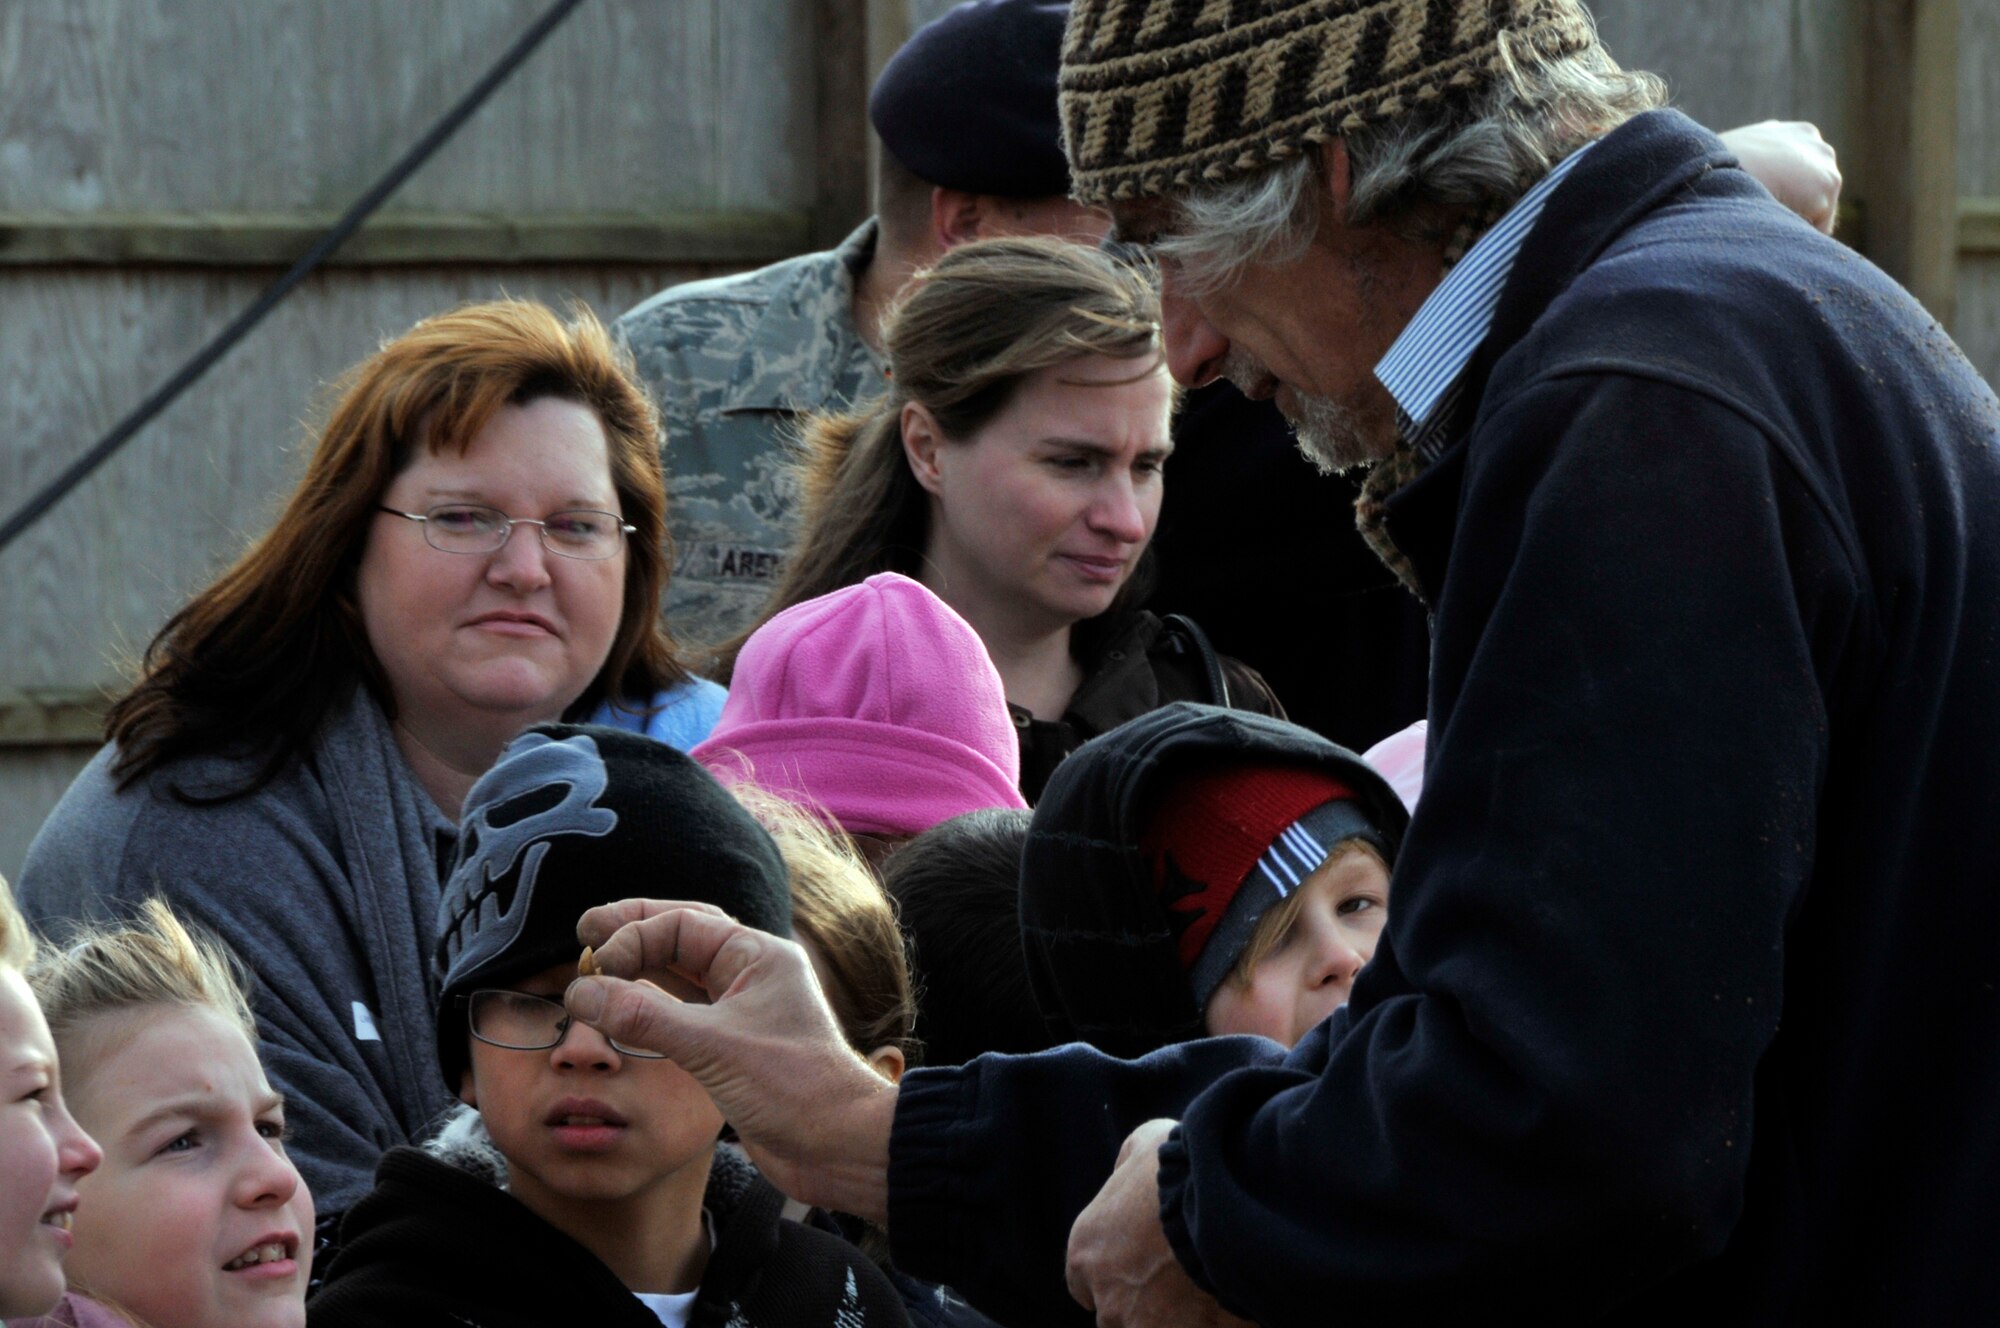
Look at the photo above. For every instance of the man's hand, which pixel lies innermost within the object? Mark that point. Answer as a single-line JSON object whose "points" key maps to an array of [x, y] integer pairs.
{"points": [[1120, 1265], [1790, 159], [810, 1112]]}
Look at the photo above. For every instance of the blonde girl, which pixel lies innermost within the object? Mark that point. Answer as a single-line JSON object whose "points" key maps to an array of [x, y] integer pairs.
{"points": [[197, 1218]]}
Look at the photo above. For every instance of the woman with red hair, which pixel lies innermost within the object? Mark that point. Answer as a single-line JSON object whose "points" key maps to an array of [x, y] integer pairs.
{"points": [[477, 545]]}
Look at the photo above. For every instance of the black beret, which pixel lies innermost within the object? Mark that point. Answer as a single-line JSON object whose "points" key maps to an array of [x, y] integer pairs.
{"points": [[571, 817], [969, 102]]}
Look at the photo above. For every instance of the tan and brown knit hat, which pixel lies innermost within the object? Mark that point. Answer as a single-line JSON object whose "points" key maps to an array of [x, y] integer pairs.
{"points": [[1161, 95]]}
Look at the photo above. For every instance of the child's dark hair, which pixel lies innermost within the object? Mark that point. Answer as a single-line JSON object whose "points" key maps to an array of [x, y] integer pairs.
{"points": [[957, 889]]}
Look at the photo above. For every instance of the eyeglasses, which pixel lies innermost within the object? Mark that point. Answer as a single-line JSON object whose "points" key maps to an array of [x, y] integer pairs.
{"points": [[582, 532], [520, 1022]]}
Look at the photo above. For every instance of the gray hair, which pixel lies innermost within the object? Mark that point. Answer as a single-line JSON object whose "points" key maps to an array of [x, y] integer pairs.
{"points": [[1476, 157]]}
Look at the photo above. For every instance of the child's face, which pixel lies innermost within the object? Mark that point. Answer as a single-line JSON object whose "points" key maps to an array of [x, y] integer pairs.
{"points": [[582, 1121], [43, 1153], [197, 1219], [1310, 971]]}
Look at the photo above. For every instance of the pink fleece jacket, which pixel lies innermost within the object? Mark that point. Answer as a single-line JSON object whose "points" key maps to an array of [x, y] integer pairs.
{"points": [[876, 705]]}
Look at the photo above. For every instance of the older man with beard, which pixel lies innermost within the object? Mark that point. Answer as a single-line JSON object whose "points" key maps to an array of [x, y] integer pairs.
{"points": [[1686, 1008]]}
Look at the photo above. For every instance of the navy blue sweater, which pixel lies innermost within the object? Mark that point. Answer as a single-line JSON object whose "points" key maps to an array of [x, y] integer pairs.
{"points": [[1687, 1006]]}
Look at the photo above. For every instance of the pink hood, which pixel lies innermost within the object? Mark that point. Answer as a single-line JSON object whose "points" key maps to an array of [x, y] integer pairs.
{"points": [[875, 704]]}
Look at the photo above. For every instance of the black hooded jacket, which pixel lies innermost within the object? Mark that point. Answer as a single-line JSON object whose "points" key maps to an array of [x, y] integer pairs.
{"points": [[439, 1242], [1101, 946]]}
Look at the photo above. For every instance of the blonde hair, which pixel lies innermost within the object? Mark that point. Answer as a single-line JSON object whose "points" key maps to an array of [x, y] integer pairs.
{"points": [[17, 943], [843, 911], [155, 960], [1278, 920]]}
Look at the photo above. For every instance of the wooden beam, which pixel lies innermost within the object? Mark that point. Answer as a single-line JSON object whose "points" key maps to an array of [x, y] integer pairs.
{"points": [[1910, 156], [1979, 226], [52, 716], [249, 239], [888, 29], [840, 192]]}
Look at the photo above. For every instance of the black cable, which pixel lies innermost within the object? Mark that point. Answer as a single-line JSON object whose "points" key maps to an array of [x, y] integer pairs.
{"points": [[54, 492]]}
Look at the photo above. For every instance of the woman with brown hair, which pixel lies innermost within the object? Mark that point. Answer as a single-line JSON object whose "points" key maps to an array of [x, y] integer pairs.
{"points": [[1015, 468], [477, 545]]}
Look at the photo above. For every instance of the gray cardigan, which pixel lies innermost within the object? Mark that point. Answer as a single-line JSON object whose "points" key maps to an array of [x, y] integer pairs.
{"points": [[326, 883]]}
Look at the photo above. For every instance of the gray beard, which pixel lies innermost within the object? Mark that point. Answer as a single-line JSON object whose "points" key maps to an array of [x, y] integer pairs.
{"points": [[1330, 435]]}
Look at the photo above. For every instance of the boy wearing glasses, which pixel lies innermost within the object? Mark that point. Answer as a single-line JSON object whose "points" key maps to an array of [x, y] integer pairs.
{"points": [[582, 1183]]}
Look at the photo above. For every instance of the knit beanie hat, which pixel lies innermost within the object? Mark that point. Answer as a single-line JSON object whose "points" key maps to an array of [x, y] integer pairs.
{"points": [[1225, 844], [969, 102], [875, 705], [1158, 96], [572, 817]]}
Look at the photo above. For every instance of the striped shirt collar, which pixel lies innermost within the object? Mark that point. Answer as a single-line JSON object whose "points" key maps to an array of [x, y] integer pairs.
{"points": [[1425, 368]]}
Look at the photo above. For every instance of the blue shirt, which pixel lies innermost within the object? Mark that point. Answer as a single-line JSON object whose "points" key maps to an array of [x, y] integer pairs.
{"points": [[680, 716], [1425, 366]]}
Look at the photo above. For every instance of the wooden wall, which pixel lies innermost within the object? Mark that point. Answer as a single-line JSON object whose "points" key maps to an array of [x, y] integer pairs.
{"points": [[134, 112], [1977, 321], [122, 111]]}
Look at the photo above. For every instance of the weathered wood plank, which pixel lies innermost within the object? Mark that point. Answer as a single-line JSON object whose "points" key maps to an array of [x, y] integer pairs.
{"points": [[1977, 324], [279, 105], [1911, 146], [1977, 329], [919, 12], [1979, 226], [52, 716], [1827, 59], [1728, 62], [234, 239], [1979, 100], [31, 780], [841, 195], [761, 113]]}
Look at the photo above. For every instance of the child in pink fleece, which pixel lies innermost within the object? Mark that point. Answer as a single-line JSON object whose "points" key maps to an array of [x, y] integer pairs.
{"points": [[876, 706]]}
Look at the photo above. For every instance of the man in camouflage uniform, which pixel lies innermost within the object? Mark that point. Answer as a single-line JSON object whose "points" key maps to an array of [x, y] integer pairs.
{"points": [[967, 115], [733, 363]]}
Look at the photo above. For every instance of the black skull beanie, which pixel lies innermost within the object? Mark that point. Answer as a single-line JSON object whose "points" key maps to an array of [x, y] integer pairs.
{"points": [[572, 817]]}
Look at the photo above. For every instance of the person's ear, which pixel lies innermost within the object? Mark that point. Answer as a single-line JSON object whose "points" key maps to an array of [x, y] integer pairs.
{"points": [[887, 1061], [922, 441], [956, 217]]}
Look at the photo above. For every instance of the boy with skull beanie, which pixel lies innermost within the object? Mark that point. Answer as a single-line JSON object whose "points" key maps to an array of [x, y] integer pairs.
{"points": [[572, 817]]}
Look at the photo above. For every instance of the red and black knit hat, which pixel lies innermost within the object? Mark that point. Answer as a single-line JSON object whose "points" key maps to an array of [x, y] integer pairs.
{"points": [[1226, 844]]}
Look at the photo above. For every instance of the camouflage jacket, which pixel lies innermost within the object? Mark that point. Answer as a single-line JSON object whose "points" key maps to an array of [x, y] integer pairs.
{"points": [[735, 363]]}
